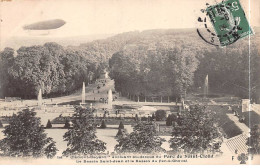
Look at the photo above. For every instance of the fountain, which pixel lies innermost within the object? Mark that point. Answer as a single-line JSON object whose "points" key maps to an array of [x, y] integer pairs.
{"points": [[206, 86], [106, 75], [40, 98], [110, 99], [83, 94]]}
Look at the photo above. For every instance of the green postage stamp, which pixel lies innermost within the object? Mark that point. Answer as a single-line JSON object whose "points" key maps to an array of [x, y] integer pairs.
{"points": [[229, 21]]}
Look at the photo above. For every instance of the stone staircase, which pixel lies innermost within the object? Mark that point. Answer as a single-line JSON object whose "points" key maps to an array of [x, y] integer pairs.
{"points": [[237, 143]]}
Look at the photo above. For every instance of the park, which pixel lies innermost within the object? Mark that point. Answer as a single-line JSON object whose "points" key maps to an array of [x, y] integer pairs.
{"points": [[115, 110], [134, 93]]}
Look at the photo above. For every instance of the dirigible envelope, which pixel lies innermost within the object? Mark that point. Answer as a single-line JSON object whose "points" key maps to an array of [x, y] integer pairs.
{"points": [[45, 25]]}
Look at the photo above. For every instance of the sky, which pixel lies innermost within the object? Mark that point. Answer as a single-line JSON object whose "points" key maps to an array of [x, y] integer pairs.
{"points": [[89, 17]]}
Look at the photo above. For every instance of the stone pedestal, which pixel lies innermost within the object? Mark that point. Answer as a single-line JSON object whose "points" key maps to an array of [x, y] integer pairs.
{"points": [[245, 105]]}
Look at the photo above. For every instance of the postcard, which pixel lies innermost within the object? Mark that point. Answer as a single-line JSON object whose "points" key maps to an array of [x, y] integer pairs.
{"points": [[129, 82]]}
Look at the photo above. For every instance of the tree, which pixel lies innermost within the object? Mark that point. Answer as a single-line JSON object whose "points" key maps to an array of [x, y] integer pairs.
{"points": [[196, 132], [1, 125], [49, 125], [6, 60], [254, 141], [82, 139], [142, 140], [50, 67], [170, 119], [25, 137], [121, 125], [160, 115], [67, 124], [50, 151], [121, 133], [136, 117], [153, 66], [103, 124]]}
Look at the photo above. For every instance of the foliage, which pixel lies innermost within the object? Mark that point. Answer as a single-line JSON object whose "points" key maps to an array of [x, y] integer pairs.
{"points": [[25, 137], [50, 151], [82, 139], [51, 67], [136, 117], [49, 125], [6, 60], [1, 124], [144, 64], [170, 119], [103, 124], [67, 124], [142, 140], [160, 115], [196, 132], [121, 125], [228, 126], [230, 69], [254, 141], [121, 133], [144, 118], [145, 69]]}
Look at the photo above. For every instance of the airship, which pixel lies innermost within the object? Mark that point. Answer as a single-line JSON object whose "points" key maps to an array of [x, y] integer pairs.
{"points": [[44, 27]]}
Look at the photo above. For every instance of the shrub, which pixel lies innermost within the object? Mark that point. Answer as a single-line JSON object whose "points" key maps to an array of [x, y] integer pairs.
{"points": [[121, 125], [160, 115], [1, 125], [103, 124], [48, 125], [67, 124], [170, 119], [119, 133], [144, 118], [136, 117]]}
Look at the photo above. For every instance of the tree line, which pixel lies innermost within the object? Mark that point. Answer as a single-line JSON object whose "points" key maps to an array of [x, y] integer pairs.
{"points": [[168, 63], [150, 63], [57, 70], [51, 67]]}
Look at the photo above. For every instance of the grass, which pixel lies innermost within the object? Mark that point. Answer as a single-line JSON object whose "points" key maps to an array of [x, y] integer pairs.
{"points": [[228, 126], [230, 129], [251, 118]]}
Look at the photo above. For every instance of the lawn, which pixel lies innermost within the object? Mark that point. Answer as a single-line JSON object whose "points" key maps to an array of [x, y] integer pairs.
{"points": [[228, 126], [251, 118], [107, 135]]}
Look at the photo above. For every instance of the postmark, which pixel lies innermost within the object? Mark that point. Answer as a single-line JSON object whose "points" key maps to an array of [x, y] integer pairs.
{"points": [[228, 21]]}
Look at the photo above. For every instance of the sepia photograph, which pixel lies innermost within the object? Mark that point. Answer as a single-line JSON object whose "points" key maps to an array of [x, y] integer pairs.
{"points": [[129, 82]]}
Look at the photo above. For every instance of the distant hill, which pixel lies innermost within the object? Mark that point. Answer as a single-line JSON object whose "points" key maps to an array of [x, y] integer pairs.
{"points": [[188, 35], [17, 42], [165, 54]]}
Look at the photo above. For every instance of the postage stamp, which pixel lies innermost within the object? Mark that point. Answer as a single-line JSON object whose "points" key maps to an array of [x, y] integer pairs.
{"points": [[229, 21]]}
